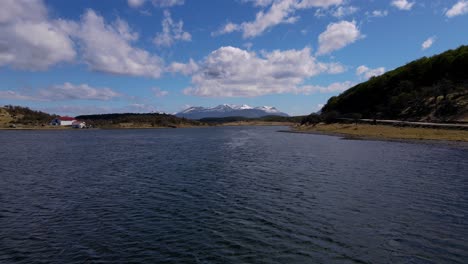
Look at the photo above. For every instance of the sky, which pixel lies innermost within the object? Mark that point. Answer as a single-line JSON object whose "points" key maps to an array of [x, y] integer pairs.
{"points": [[89, 56]]}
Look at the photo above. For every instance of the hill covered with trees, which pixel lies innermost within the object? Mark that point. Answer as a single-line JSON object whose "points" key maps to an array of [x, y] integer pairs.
{"points": [[10, 114], [136, 120], [427, 89]]}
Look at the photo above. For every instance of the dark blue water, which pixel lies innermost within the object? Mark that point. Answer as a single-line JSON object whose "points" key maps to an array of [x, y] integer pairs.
{"points": [[228, 195]]}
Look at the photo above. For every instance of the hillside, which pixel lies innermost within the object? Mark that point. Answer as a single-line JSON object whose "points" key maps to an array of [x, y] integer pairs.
{"points": [[10, 114], [428, 89], [132, 120]]}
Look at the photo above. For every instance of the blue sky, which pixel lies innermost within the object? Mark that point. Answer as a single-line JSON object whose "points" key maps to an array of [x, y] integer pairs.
{"points": [[86, 56]]}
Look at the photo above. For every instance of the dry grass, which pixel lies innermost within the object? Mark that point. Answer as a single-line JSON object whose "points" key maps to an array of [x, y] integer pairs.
{"points": [[5, 117], [388, 132]]}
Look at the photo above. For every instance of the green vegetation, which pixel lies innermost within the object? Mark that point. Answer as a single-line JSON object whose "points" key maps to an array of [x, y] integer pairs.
{"points": [[10, 114], [428, 89], [130, 120]]}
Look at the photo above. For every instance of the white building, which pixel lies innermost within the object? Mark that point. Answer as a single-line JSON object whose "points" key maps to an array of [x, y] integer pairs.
{"points": [[63, 121], [79, 124]]}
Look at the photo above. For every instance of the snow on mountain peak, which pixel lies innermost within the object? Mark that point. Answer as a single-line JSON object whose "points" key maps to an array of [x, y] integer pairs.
{"points": [[268, 109], [224, 110]]}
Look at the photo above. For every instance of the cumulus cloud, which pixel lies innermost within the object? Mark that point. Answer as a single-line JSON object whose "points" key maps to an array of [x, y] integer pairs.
{"points": [[402, 4], [233, 72], [184, 68], [172, 31], [368, 73], [30, 40], [66, 91], [428, 43], [337, 36], [460, 8], [278, 12], [107, 48], [158, 92]]}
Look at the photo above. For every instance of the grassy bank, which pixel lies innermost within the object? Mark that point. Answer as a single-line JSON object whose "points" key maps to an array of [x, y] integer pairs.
{"points": [[386, 132]]}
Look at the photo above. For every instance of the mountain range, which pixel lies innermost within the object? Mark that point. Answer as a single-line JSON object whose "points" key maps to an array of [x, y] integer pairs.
{"points": [[228, 110]]}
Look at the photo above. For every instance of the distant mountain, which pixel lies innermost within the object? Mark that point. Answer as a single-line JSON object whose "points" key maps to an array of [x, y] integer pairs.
{"points": [[227, 110], [428, 89]]}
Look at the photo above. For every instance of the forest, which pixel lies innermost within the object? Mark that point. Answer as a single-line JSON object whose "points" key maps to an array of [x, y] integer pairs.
{"points": [[428, 89]]}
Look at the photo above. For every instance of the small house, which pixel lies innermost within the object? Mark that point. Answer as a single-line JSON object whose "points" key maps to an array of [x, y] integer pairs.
{"points": [[79, 124], [63, 121]]}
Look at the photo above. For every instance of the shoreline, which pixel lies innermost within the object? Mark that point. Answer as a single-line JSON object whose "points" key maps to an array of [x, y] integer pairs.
{"points": [[386, 133], [58, 128]]}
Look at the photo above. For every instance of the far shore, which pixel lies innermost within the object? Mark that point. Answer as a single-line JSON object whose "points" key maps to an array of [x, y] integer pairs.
{"points": [[347, 131], [129, 126], [384, 132], [256, 123]]}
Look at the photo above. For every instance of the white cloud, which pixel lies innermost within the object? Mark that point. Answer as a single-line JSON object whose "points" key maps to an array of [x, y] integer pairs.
{"points": [[184, 68], [228, 28], [66, 91], [343, 11], [172, 31], [337, 36], [279, 12], [460, 8], [13, 95], [261, 3], [402, 4], [379, 13], [156, 3], [248, 45], [75, 110], [317, 3], [158, 92], [233, 72], [428, 43], [30, 40], [167, 3], [135, 3], [107, 48], [368, 73]]}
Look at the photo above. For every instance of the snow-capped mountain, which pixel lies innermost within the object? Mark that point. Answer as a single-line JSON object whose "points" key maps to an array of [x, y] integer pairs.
{"points": [[226, 110]]}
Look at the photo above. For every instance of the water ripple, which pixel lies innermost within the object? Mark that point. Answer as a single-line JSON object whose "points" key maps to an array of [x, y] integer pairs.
{"points": [[228, 195]]}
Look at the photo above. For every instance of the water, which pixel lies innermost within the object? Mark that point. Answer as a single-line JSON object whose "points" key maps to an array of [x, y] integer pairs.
{"points": [[228, 195]]}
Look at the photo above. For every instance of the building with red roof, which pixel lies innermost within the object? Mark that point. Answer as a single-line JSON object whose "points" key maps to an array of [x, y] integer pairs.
{"points": [[63, 121]]}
